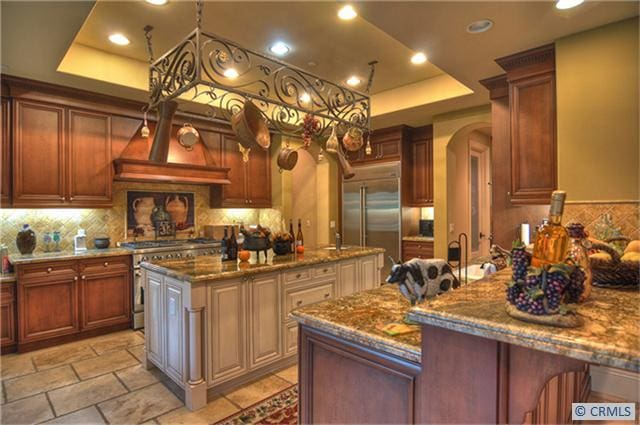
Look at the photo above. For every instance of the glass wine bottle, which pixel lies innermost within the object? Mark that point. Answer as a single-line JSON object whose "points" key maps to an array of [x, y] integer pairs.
{"points": [[552, 239]]}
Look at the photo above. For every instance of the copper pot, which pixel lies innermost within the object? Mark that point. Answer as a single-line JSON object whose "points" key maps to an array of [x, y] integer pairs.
{"points": [[347, 169], [188, 136], [287, 158], [250, 127], [352, 139], [162, 137]]}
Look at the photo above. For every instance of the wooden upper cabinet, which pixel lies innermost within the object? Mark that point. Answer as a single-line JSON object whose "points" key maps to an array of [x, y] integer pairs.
{"points": [[532, 110], [250, 181], [417, 165], [5, 153], [39, 159], [89, 171]]}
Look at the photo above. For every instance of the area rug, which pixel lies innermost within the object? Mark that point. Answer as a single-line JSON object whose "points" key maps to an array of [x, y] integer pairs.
{"points": [[281, 408]]}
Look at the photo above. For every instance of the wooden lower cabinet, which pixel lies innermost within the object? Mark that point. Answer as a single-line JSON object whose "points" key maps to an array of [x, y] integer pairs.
{"points": [[8, 334], [369, 277], [348, 277], [65, 300], [265, 345], [411, 249]]}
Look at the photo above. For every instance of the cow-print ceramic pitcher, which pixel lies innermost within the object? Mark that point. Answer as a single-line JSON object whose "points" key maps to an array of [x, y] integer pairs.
{"points": [[420, 279]]}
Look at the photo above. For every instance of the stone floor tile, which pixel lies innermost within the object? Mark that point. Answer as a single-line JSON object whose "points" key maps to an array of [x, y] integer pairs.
{"points": [[39, 382], [289, 374], [108, 362], [116, 341], [257, 391], [137, 351], [88, 416], [85, 393], [13, 365], [136, 377], [214, 411], [62, 354], [140, 406], [27, 411]]}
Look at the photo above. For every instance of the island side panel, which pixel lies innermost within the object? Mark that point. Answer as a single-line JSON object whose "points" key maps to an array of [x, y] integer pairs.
{"points": [[341, 382]]}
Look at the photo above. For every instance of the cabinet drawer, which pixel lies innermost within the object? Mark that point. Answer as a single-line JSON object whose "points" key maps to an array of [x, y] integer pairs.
{"points": [[299, 297], [297, 275], [416, 250], [324, 270], [46, 270], [106, 264]]}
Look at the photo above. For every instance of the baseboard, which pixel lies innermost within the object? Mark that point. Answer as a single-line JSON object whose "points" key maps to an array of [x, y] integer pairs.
{"points": [[618, 383]]}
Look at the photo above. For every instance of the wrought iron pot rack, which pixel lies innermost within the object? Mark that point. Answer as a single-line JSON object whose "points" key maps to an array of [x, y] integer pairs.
{"points": [[212, 77]]}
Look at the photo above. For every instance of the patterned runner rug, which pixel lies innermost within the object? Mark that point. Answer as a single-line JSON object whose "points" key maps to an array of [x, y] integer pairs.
{"points": [[281, 408]]}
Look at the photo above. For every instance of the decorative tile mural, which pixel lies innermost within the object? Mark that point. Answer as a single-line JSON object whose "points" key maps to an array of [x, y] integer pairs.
{"points": [[112, 222], [624, 216], [141, 205]]}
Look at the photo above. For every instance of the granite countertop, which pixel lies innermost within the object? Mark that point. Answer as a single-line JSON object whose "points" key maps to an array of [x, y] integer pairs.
{"points": [[610, 335], [40, 257], [205, 268], [418, 238], [7, 278], [358, 318]]}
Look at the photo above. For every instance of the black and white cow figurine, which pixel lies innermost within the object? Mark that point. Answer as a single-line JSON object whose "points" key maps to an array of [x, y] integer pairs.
{"points": [[420, 279]]}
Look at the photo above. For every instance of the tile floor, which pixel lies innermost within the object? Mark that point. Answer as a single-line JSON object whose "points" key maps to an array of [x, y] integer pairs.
{"points": [[101, 380]]}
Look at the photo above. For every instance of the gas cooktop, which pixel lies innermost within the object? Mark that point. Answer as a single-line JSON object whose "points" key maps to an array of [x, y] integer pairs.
{"points": [[167, 243]]}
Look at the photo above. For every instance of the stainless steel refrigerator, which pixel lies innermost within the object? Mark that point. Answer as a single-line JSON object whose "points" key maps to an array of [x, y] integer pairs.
{"points": [[371, 211]]}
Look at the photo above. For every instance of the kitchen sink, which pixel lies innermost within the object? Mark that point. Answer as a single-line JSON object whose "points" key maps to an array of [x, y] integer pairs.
{"points": [[333, 247]]}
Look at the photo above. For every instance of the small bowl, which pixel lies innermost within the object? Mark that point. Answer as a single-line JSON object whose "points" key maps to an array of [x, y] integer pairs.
{"points": [[101, 243]]}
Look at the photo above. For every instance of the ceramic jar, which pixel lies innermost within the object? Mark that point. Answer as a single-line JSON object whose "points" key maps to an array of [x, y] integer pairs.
{"points": [[578, 253], [178, 207], [26, 240]]}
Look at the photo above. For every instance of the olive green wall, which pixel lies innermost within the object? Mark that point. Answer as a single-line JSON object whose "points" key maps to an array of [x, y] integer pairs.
{"points": [[597, 107]]}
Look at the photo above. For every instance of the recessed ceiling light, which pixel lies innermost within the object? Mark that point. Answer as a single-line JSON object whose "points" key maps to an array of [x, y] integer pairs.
{"points": [[119, 39], [157, 2], [305, 98], [346, 13], [568, 4], [418, 58], [479, 26], [279, 48], [353, 81], [230, 73]]}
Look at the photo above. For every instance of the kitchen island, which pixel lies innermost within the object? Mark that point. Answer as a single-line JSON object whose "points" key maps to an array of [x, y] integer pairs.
{"points": [[476, 364], [211, 325]]}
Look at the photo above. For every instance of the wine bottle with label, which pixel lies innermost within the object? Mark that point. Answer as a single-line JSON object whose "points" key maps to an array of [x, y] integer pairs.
{"points": [[232, 249], [299, 236], [223, 247], [552, 239], [292, 247]]}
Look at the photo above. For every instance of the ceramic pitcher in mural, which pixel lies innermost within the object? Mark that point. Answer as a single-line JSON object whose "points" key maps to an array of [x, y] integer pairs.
{"points": [[142, 208], [178, 207]]}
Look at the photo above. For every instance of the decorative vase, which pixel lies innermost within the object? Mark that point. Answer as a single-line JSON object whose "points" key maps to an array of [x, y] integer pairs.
{"points": [[578, 254], [26, 240], [281, 247]]}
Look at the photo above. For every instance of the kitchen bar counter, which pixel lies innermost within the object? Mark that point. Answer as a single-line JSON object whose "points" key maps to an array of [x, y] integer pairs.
{"points": [[610, 335], [41, 257], [208, 269], [359, 317]]}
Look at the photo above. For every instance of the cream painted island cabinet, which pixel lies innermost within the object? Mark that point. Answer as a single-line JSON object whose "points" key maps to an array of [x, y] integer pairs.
{"points": [[211, 325]]}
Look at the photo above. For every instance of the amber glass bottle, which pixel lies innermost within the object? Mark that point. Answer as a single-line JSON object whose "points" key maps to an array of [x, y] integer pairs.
{"points": [[552, 239], [299, 237]]}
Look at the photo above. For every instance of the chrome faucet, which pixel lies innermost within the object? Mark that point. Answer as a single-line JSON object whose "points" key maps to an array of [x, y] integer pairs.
{"points": [[338, 241]]}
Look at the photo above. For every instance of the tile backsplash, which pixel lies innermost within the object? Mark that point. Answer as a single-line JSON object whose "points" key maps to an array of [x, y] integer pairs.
{"points": [[112, 221], [625, 216]]}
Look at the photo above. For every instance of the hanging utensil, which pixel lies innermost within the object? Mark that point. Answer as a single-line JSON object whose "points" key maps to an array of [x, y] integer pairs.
{"points": [[161, 139], [352, 139], [332, 141], [188, 136], [250, 126], [287, 158], [367, 149], [347, 169], [144, 131]]}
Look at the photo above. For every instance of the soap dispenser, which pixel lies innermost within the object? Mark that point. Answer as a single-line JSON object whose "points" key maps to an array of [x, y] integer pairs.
{"points": [[80, 241]]}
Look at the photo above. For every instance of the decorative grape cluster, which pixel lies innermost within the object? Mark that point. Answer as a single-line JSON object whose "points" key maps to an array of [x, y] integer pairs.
{"points": [[310, 127], [543, 291]]}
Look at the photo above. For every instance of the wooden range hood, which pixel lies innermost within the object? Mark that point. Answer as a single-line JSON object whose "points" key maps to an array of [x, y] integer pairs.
{"points": [[197, 166]]}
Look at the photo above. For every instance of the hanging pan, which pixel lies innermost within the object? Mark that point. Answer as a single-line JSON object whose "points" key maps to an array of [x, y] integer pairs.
{"points": [[347, 169], [287, 158], [250, 127]]}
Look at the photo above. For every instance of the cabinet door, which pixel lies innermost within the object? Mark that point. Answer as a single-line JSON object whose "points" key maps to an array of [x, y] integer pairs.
{"points": [[174, 319], [227, 342], [153, 317], [89, 167], [388, 150], [38, 155], [348, 277], [533, 139], [265, 326], [369, 275], [8, 315], [106, 295], [291, 338], [235, 193], [421, 174], [259, 178], [48, 308], [5, 154]]}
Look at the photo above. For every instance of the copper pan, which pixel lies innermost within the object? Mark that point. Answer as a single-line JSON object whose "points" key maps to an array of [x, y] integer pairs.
{"points": [[287, 158], [347, 169], [250, 127]]}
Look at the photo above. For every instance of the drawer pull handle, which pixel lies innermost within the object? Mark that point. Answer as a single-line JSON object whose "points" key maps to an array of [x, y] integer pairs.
{"points": [[49, 269], [299, 303], [325, 270], [106, 263], [327, 295], [84, 277], [75, 278], [298, 276]]}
